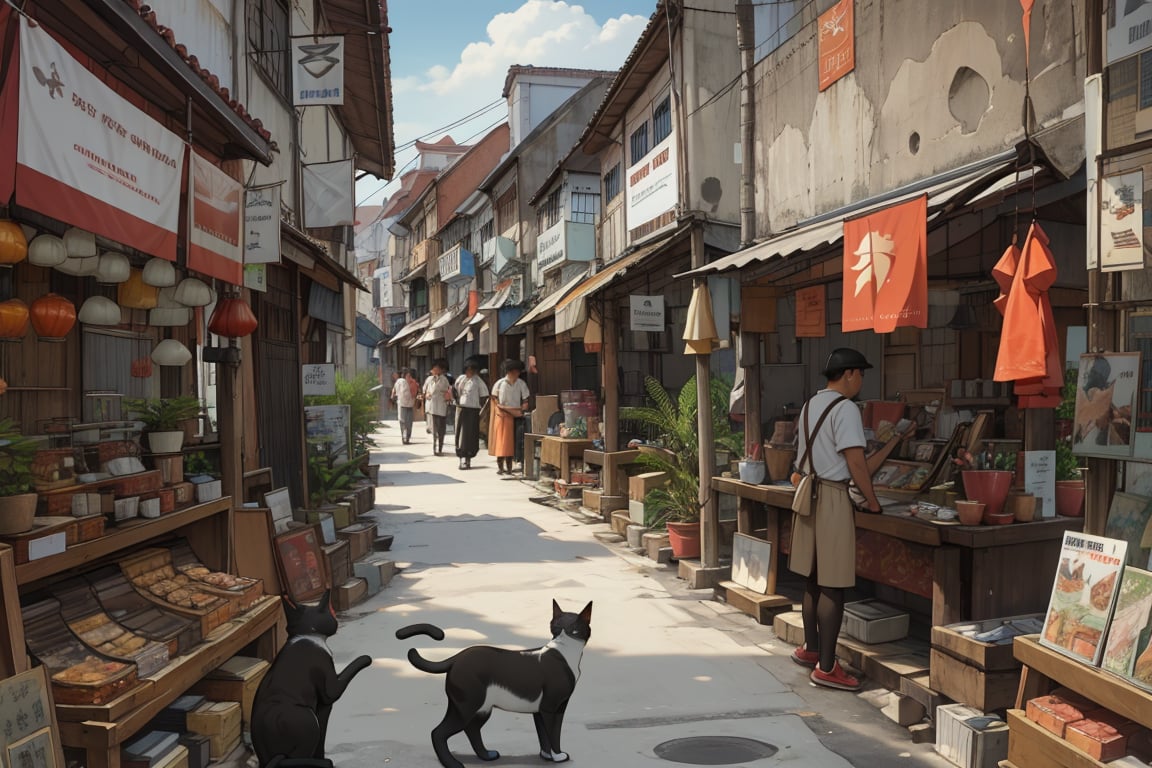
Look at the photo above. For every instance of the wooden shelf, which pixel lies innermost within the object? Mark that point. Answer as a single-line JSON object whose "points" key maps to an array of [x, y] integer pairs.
{"points": [[976, 402], [1120, 696], [126, 534], [1029, 744]]}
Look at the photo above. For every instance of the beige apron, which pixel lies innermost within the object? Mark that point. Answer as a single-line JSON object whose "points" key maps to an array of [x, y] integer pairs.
{"points": [[827, 538]]}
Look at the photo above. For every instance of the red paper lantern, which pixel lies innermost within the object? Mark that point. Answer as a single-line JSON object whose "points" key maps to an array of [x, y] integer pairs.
{"points": [[13, 244], [232, 318], [53, 317], [13, 320]]}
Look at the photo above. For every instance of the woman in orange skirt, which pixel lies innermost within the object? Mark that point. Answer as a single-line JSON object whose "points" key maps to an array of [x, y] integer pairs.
{"points": [[509, 399]]}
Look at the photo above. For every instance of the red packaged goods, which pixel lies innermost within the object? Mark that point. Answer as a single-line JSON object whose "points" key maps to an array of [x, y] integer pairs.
{"points": [[1103, 734], [1055, 712]]}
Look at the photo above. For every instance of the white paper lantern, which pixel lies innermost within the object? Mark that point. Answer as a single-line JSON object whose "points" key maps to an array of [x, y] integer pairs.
{"points": [[159, 273], [170, 317], [166, 299], [99, 310], [194, 293], [113, 268], [79, 267], [47, 251], [80, 244], [171, 352]]}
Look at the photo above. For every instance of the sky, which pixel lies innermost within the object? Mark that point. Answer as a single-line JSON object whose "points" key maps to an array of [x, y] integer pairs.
{"points": [[450, 58]]}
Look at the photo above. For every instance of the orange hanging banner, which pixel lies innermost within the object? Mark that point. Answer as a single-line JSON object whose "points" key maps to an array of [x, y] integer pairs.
{"points": [[886, 269], [836, 46], [1026, 7]]}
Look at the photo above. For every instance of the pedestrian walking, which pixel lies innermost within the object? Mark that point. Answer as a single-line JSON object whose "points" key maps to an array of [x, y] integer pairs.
{"points": [[831, 447], [405, 401], [509, 399], [436, 394], [470, 393]]}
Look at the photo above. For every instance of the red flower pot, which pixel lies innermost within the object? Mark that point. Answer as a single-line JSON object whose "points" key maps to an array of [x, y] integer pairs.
{"points": [[1070, 498], [685, 540], [990, 486]]}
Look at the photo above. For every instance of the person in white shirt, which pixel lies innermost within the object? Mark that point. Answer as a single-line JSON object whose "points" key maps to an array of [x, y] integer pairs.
{"points": [[436, 394], [509, 399], [405, 403], [470, 393]]}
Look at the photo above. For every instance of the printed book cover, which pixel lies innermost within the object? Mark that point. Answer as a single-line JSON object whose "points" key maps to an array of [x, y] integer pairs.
{"points": [[1083, 595]]}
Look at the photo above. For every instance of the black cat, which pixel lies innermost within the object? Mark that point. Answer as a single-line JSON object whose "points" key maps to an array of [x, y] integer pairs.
{"points": [[482, 678], [292, 705]]}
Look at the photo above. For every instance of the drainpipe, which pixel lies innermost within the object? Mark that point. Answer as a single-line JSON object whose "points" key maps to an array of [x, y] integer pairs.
{"points": [[749, 342]]}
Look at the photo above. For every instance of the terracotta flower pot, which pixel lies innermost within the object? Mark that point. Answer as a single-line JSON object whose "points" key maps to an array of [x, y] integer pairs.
{"points": [[1070, 498], [17, 513], [990, 486], [970, 512], [684, 539]]}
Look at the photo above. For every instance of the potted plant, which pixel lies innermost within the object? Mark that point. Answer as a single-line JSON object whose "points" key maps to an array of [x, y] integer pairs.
{"points": [[164, 419], [17, 500], [328, 479], [987, 478], [1066, 411], [1069, 481], [676, 505]]}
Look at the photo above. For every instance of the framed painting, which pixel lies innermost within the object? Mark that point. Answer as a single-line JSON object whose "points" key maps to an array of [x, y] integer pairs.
{"points": [[28, 731], [1106, 397], [280, 502], [300, 560], [37, 750]]}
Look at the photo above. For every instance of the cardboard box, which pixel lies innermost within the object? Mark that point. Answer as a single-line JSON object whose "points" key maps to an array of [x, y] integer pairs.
{"points": [[184, 493], [969, 738], [235, 680], [359, 537], [1055, 712], [639, 485], [967, 684], [1102, 734], [220, 721], [350, 593], [871, 621], [376, 570], [177, 757], [546, 405]]}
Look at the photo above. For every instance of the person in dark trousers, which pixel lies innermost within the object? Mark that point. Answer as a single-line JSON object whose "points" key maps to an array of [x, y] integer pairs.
{"points": [[824, 542], [405, 402], [470, 393], [436, 394]]}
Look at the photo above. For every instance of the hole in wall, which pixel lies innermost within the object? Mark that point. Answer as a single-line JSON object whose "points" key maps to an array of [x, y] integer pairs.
{"points": [[914, 142], [968, 98]]}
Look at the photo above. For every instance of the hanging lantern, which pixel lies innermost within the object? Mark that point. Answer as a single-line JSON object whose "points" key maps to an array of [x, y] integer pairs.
{"points": [[98, 310], [80, 244], [169, 312], [133, 293], [171, 352], [79, 267], [233, 318], [194, 293], [29, 232], [13, 320], [53, 317], [47, 251], [13, 244], [159, 273], [113, 268]]}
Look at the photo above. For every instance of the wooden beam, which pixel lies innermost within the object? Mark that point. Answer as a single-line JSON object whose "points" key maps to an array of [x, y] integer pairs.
{"points": [[610, 379]]}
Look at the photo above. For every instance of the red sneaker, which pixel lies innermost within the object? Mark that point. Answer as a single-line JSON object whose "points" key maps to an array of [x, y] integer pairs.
{"points": [[805, 658], [837, 678]]}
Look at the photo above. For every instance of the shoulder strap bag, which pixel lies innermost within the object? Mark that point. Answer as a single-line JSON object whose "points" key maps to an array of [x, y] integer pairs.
{"points": [[808, 487]]}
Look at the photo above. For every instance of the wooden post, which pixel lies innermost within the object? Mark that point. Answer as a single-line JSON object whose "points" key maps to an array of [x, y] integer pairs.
{"points": [[231, 426], [753, 419], [610, 381], [709, 509], [13, 657]]}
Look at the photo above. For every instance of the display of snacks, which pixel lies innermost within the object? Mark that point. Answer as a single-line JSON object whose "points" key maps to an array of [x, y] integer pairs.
{"points": [[240, 590], [129, 608], [88, 621], [79, 675], [153, 576]]}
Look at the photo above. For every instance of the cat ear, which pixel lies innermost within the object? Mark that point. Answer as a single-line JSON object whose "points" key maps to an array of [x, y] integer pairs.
{"points": [[324, 600], [586, 614], [288, 603], [556, 610]]}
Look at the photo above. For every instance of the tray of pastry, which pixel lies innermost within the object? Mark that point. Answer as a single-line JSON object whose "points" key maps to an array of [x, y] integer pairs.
{"points": [[153, 576], [96, 629], [241, 590], [122, 602], [79, 675]]}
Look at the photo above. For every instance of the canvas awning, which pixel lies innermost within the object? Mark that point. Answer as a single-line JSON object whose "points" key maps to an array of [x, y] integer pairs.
{"points": [[418, 324], [956, 186], [367, 334], [548, 303], [438, 328]]}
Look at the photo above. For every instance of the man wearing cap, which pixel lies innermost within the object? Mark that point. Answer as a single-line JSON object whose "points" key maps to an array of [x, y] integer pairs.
{"points": [[824, 542]]}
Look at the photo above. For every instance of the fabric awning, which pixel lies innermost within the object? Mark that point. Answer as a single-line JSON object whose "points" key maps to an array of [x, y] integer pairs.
{"points": [[418, 324], [942, 190], [367, 334], [326, 305], [548, 303], [438, 329], [498, 300]]}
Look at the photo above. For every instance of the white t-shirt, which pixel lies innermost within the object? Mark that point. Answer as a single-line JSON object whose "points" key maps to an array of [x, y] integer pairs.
{"points": [[510, 394], [402, 391], [842, 429], [434, 389], [469, 391]]}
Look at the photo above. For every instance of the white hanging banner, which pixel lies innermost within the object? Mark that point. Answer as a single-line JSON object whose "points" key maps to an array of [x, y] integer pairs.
{"points": [[216, 216], [1122, 222], [329, 194], [262, 225], [90, 158], [317, 70], [647, 313]]}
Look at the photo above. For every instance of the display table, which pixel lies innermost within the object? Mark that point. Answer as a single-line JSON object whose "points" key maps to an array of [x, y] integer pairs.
{"points": [[560, 451], [612, 469], [532, 441]]}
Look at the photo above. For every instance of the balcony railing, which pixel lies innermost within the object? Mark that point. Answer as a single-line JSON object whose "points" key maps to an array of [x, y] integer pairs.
{"points": [[457, 265]]}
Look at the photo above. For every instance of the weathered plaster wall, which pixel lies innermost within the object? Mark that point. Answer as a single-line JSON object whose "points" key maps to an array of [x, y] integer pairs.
{"points": [[936, 85]]}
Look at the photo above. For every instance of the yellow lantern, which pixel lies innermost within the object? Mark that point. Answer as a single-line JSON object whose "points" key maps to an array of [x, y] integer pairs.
{"points": [[13, 244], [134, 293]]}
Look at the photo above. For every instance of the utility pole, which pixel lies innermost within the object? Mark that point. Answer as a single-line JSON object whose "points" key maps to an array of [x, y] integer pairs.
{"points": [[749, 350]]}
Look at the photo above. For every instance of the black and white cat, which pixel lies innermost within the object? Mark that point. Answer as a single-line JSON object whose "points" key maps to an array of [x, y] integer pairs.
{"points": [[482, 678], [292, 705]]}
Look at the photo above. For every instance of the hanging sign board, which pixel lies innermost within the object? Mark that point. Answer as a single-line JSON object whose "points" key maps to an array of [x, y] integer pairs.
{"points": [[216, 219], [647, 313], [262, 225], [319, 379], [329, 191], [837, 43], [317, 71], [328, 430], [811, 315], [256, 277], [1122, 222]]}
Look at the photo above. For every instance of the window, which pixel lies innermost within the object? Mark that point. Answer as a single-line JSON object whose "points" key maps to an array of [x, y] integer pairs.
{"points": [[549, 211], [612, 183], [268, 40], [777, 22], [418, 298], [506, 215], [638, 144], [662, 120], [1146, 80], [585, 207], [487, 231]]}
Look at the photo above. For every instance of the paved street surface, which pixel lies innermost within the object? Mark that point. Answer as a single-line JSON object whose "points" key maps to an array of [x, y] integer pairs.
{"points": [[484, 563]]}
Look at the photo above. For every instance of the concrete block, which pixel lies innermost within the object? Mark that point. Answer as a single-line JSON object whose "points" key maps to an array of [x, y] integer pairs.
{"points": [[636, 511], [635, 534], [610, 504], [789, 627], [655, 542], [377, 571], [877, 697], [607, 537], [663, 556], [639, 485], [923, 733], [699, 577], [904, 710], [620, 523]]}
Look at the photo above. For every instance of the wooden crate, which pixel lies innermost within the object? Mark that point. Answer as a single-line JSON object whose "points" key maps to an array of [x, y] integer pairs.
{"points": [[967, 684], [359, 537], [338, 560], [1030, 745], [350, 593], [237, 679], [89, 527], [990, 657], [220, 721]]}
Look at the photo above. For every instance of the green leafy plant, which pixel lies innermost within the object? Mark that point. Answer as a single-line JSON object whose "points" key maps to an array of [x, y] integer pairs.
{"points": [[166, 414], [676, 425], [1067, 407], [1001, 460], [328, 479], [1067, 463], [364, 407], [198, 463], [17, 454]]}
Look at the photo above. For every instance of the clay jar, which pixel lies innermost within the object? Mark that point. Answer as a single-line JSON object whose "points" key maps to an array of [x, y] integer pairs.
{"points": [[970, 512]]}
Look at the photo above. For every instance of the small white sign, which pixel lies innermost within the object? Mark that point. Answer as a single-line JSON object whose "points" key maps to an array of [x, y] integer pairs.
{"points": [[1040, 479], [647, 313], [1122, 222], [256, 277], [319, 379], [317, 70], [262, 225]]}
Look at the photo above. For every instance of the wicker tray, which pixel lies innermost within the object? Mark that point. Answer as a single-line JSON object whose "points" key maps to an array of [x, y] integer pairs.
{"points": [[127, 606], [153, 576], [241, 591], [96, 629]]}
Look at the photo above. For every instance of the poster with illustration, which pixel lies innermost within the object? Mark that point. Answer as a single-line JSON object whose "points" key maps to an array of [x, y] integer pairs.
{"points": [[1128, 633], [1083, 595], [298, 553], [1106, 391]]}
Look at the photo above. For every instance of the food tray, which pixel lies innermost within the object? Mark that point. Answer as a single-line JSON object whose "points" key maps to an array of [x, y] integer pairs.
{"points": [[153, 576], [242, 591], [128, 607], [79, 675], [96, 629]]}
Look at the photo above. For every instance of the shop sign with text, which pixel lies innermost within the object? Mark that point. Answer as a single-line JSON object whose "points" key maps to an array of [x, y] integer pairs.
{"points": [[837, 43], [214, 247], [653, 184]]}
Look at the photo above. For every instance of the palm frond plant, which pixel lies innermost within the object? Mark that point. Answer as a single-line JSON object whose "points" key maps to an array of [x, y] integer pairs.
{"points": [[676, 425]]}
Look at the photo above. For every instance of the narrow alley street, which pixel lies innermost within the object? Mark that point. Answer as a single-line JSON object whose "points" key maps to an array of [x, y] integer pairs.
{"points": [[483, 562]]}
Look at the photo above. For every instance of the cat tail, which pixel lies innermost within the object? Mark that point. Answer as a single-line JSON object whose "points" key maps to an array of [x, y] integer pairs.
{"points": [[414, 657]]}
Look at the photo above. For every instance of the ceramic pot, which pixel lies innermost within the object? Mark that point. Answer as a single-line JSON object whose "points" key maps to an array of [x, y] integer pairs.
{"points": [[990, 486], [1070, 498], [752, 472], [17, 513], [166, 442], [970, 512], [1022, 506], [1004, 518], [684, 539]]}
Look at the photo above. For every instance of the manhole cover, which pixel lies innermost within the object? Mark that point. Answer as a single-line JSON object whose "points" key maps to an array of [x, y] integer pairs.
{"points": [[714, 750]]}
